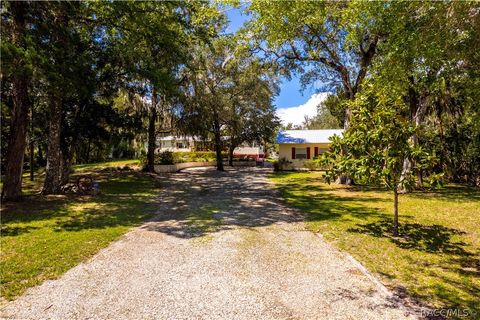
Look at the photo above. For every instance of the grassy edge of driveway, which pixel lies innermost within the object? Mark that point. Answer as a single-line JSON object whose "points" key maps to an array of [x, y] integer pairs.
{"points": [[43, 237], [435, 260]]}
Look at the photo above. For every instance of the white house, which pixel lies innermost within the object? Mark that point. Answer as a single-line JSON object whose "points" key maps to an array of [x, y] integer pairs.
{"points": [[299, 145], [189, 143], [248, 151], [174, 143]]}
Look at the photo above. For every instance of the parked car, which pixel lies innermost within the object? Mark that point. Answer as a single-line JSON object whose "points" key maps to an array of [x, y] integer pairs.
{"points": [[260, 160]]}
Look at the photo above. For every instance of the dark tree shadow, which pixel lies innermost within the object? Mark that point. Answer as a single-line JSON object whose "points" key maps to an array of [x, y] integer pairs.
{"points": [[125, 200], [457, 193], [8, 231], [427, 238], [322, 205], [34, 208], [435, 239], [200, 202], [244, 198]]}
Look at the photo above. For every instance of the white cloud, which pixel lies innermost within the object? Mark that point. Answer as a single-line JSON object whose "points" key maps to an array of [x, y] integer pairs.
{"points": [[297, 114]]}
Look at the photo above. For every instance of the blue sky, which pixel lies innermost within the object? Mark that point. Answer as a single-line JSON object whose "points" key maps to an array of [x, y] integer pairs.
{"points": [[290, 94]]}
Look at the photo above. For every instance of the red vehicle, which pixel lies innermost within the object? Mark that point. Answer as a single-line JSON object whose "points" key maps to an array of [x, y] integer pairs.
{"points": [[260, 159]]}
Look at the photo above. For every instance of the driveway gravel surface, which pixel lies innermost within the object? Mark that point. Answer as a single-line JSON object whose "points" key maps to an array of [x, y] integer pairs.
{"points": [[223, 245]]}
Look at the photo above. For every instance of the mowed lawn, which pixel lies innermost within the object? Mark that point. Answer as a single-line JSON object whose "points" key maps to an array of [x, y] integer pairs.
{"points": [[42, 237], [436, 258]]}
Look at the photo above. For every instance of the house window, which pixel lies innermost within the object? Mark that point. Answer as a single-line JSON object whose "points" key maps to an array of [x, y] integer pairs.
{"points": [[180, 145], [300, 153]]}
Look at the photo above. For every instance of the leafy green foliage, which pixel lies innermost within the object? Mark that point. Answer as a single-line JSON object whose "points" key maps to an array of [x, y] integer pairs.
{"points": [[373, 150], [328, 42], [433, 53], [169, 157], [165, 157], [281, 164], [228, 92], [428, 51], [327, 115], [313, 164], [83, 54]]}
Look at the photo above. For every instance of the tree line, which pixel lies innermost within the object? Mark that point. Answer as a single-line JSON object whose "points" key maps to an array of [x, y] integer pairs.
{"points": [[404, 81], [83, 81], [426, 54]]}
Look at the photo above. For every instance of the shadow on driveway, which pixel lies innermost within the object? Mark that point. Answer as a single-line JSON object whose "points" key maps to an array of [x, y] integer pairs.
{"points": [[200, 201]]}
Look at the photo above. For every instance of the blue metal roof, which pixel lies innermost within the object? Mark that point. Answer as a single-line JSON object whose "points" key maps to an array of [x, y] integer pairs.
{"points": [[307, 136]]}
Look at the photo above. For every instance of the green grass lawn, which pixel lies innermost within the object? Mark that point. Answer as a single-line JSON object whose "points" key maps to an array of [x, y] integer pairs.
{"points": [[436, 258], [44, 236]]}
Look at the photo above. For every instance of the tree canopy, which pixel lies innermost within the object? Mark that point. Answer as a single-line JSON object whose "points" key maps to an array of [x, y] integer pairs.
{"points": [[86, 81]]}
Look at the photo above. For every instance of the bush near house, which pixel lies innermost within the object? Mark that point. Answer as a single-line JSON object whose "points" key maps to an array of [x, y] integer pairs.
{"points": [[166, 157], [281, 164]]}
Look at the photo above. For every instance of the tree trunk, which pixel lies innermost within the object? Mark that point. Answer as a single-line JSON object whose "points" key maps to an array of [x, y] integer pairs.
{"points": [[31, 160], [53, 171], [407, 168], [87, 154], [419, 180], [441, 133], [65, 168], [395, 212], [231, 147], [346, 179], [348, 117], [40, 160], [218, 142], [350, 89], [418, 109], [151, 133], [12, 189], [32, 145]]}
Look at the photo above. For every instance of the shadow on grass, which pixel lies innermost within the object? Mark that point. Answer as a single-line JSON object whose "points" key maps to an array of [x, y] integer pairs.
{"points": [[431, 238], [322, 205], [33, 208], [437, 239], [111, 212], [449, 268], [457, 193], [125, 200], [242, 198], [8, 231], [468, 303]]}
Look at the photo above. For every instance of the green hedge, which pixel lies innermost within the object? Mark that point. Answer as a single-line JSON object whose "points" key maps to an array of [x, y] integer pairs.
{"points": [[168, 157]]}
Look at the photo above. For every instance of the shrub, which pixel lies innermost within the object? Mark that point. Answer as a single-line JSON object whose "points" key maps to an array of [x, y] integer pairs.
{"points": [[166, 157], [312, 164], [281, 164]]}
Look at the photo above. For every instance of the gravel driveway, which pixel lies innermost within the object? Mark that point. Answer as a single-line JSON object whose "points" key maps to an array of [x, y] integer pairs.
{"points": [[223, 246]]}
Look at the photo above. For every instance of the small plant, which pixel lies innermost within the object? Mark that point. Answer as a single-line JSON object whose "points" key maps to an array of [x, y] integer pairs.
{"points": [[281, 164], [312, 165]]}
